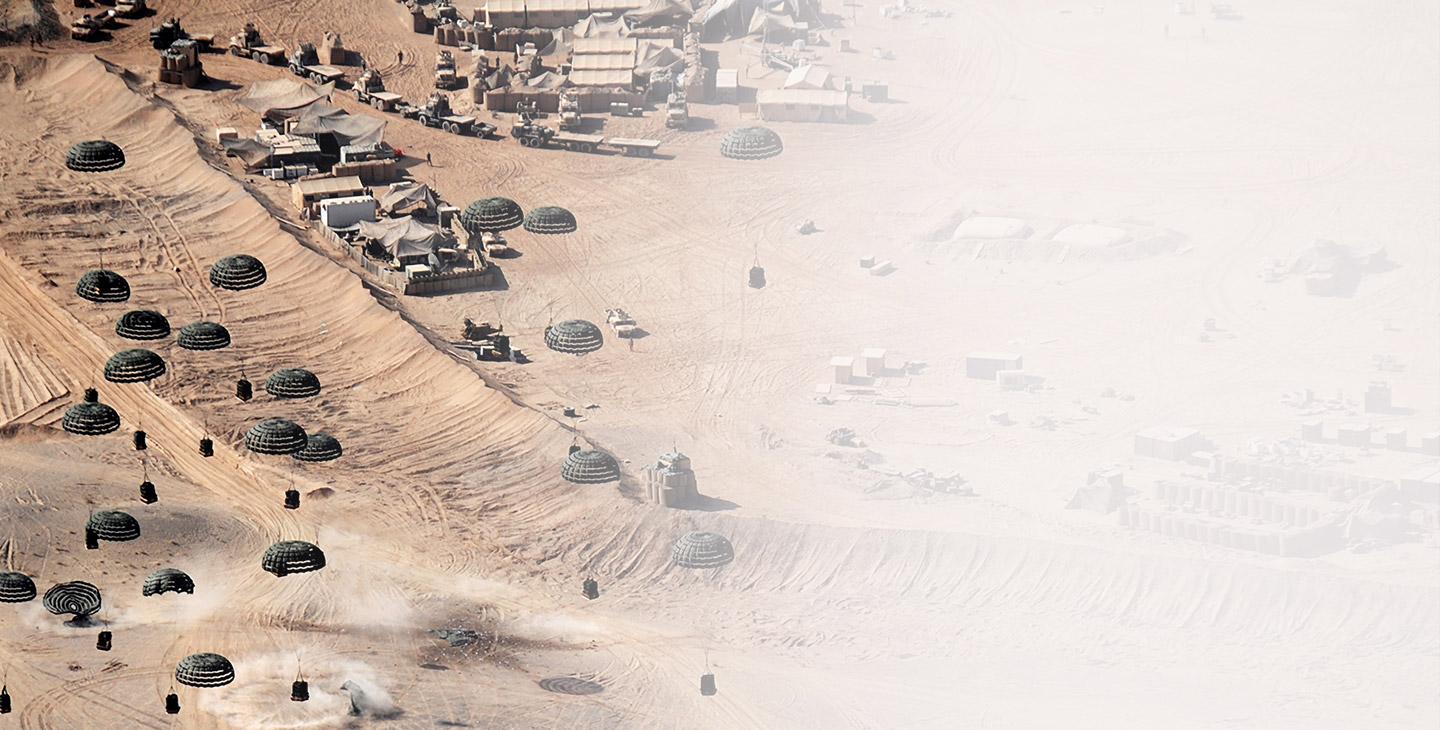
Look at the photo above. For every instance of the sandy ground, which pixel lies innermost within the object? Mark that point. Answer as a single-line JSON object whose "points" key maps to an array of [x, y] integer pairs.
{"points": [[849, 604]]}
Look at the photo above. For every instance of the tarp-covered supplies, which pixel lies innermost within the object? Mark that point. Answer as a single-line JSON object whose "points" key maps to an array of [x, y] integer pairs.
{"points": [[405, 239]]}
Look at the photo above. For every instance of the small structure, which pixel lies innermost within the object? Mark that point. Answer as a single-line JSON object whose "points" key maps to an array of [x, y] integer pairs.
{"points": [[180, 64], [698, 550], [550, 220], [803, 105], [574, 337], [203, 336], [590, 467], [305, 194], [292, 556], [168, 580], [134, 366], [90, 419], [874, 359], [143, 324], [276, 437], [103, 286], [493, 215], [1172, 444], [78, 599], [320, 447], [670, 482], [842, 369], [1377, 397], [113, 526], [293, 383], [16, 587], [1354, 434], [727, 85], [205, 670], [1104, 492], [238, 272], [751, 143], [338, 213], [96, 155], [987, 365]]}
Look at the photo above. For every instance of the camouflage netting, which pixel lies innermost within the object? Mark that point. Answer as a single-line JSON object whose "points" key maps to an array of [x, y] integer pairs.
{"points": [[293, 383], [702, 550], [292, 556], [134, 366], [275, 436], [550, 220], [90, 419], [203, 336], [574, 337], [751, 143], [205, 670], [16, 587], [320, 447], [493, 215], [168, 580], [237, 273], [143, 324], [103, 286], [96, 155], [113, 526], [590, 467], [76, 598]]}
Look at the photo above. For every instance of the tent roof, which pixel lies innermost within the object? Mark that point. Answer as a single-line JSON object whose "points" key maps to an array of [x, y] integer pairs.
{"points": [[323, 117], [612, 77], [250, 151], [808, 77], [266, 96], [807, 97], [593, 27], [405, 237], [585, 46], [407, 197]]}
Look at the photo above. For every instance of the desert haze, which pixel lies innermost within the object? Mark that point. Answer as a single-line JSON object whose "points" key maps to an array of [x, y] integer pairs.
{"points": [[796, 364]]}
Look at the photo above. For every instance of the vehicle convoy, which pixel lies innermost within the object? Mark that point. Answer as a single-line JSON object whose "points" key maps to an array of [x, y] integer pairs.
{"points": [[249, 45], [437, 113], [306, 62], [370, 89], [445, 76]]}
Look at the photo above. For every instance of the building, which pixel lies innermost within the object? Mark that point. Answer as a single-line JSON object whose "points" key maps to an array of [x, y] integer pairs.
{"points": [[874, 359], [803, 105], [808, 76], [604, 61], [306, 193], [671, 482], [843, 369], [987, 365], [552, 13], [337, 213], [1172, 444], [727, 86]]}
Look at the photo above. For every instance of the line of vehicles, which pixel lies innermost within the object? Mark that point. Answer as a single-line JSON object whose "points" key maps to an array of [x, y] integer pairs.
{"points": [[436, 111]]}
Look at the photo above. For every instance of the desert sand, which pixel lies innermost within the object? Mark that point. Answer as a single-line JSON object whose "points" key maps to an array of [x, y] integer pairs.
{"points": [[854, 600]]}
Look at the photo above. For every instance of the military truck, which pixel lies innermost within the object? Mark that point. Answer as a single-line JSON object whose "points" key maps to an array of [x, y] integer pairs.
{"points": [[306, 63], [570, 111], [248, 44], [370, 89], [131, 8], [437, 113], [445, 76], [677, 111], [85, 28]]}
